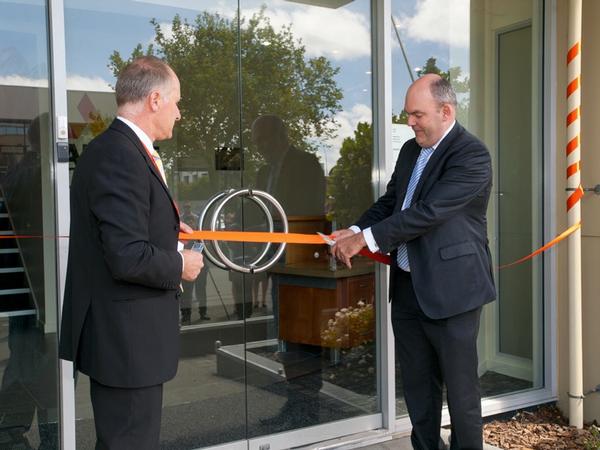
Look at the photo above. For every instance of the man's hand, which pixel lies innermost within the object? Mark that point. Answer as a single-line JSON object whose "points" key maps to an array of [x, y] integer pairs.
{"points": [[185, 228], [341, 234], [193, 262], [346, 247]]}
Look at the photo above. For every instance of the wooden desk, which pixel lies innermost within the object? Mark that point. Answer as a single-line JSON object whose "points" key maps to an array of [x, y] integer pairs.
{"points": [[309, 294]]}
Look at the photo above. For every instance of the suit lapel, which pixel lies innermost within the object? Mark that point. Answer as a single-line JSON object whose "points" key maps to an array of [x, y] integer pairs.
{"points": [[434, 160], [121, 127]]}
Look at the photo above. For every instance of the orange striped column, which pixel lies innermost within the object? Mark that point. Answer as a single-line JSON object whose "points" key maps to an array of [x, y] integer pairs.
{"points": [[575, 192]]}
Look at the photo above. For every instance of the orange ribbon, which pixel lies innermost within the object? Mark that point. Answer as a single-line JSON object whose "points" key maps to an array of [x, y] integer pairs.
{"points": [[545, 247], [279, 238], [298, 238]]}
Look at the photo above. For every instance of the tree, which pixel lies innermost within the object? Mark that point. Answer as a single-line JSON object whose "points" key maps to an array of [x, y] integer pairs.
{"points": [[211, 56], [350, 188]]}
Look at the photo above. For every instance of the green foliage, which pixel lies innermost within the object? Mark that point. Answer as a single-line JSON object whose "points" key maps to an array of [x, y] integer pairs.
{"points": [[211, 56], [350, 187]]}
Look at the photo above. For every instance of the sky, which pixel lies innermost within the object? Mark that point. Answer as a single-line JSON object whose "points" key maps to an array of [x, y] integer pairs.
{"points": [[95, 29]]}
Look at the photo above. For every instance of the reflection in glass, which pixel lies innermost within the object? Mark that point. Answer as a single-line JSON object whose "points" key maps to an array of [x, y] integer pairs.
{"points": [[28, 391], [243, 370], [490, 54]]}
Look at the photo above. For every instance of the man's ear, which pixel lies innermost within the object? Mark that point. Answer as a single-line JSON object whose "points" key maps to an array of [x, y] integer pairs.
{"points": [[154, 100], [447, 111]]}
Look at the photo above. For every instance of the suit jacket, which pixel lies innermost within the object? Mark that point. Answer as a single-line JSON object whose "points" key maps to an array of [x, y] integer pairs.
{"points": [[120, 312], [300, 184], [445, 227]]}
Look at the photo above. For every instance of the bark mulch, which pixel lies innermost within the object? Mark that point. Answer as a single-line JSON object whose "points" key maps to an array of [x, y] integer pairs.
{"points": [[542, 429]]}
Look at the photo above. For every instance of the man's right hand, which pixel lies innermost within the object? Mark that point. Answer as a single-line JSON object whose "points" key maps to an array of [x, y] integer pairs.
{"points": [[341, 234], [193, 262]]}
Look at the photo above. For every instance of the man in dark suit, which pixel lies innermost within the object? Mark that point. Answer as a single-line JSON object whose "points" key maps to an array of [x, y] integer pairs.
{"points": [[432, 219], [120, 321], [292, 176]]}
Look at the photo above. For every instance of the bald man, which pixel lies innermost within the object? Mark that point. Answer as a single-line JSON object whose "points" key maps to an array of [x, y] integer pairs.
{"points": [[120, 322], [432, 219]]}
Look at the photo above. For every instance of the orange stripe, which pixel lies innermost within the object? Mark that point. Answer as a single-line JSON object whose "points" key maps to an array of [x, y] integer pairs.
{"points": [[552, 243], [573, 86], [572, 145], [573, 116], [572, 169], [253, 236], [573, 52], [574, 198]]}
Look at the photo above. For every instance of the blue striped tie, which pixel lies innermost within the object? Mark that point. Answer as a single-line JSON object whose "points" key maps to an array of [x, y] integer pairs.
{"points": [[410, 190]]}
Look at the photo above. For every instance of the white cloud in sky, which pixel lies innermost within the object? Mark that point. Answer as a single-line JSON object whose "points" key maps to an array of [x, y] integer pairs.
{"points": [[91, 84], [18, 80], [74, 83], [336, 34], [440, 21]]}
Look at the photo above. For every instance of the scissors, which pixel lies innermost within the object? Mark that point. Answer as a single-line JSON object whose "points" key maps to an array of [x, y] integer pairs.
{"points": [[327, 239]]}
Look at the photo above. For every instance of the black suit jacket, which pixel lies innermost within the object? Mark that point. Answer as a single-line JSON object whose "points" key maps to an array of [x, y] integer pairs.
{"points": [[120, 313], [445, 227]]}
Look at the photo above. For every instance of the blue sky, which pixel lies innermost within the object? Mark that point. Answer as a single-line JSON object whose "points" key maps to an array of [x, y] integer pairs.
{"points": [[95, 29]]}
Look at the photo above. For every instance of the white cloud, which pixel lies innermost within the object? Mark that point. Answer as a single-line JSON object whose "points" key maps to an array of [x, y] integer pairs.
{"points": [[336, 34], [74, 83], [441, 21], [90, 84], [18, 80]]}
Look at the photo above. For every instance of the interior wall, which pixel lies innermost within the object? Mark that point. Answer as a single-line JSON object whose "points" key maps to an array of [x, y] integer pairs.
{"points": [[590, 176]]}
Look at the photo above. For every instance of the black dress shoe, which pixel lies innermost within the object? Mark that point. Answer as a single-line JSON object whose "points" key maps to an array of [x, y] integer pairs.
{"points": [[205, 317]]}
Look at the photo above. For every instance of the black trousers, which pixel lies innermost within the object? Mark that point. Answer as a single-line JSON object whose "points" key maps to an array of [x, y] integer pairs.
{"points": [[126, 419], [432, 353]]}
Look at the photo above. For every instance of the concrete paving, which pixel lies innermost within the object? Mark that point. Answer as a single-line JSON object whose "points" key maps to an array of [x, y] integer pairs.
{"points": [[402, 442]]}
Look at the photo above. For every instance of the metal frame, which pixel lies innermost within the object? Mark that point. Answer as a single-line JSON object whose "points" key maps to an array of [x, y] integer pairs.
{"points": [[386, 421], [58, 87]]}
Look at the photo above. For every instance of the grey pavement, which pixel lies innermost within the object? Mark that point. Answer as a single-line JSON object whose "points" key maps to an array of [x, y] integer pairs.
{"points": [[402, 442]]}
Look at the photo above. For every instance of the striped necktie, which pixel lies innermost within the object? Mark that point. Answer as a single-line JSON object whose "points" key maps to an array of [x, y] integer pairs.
{"points": [[159, 164], [424, 156]]}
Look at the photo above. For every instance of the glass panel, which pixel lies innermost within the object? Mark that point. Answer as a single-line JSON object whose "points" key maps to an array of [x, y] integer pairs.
{"points": [[491, 52], [306, 122], [201, 407], [320, 89], [28, 363]]}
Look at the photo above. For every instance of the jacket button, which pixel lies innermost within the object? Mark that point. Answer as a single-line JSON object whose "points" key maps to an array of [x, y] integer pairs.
{"points": [[176, 227]]}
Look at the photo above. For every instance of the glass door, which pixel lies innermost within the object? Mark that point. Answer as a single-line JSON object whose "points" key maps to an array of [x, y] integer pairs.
{"points": [[28, 342], [275, 97]]}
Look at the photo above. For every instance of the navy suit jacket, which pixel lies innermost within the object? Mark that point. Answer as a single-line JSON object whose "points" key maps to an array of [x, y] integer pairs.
{"points": [[120, 322], [445, 227]]}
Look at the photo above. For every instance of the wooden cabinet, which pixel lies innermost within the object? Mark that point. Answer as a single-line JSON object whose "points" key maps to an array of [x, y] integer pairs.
{"points": [[308, 300]]}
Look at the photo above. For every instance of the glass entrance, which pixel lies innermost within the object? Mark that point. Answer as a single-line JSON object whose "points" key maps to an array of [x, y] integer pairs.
{"points": [[276, 96], [28, 361]]}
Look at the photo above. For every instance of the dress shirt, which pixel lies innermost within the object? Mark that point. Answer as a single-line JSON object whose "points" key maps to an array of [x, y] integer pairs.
{"points": [[367, 233]]}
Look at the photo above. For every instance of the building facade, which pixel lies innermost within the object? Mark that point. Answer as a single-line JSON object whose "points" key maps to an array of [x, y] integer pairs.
{"points": [[303, 353]]}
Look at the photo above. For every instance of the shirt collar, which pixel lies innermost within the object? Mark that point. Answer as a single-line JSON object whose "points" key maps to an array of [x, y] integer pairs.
{"points": [[138, 132], [445, 134]]}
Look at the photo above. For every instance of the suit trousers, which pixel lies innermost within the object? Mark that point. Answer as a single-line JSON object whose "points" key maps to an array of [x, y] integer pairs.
{"points": [[125, 418], [432, 353]]}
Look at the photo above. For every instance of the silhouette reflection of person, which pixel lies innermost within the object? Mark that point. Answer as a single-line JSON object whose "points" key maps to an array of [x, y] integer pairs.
{"points": [[296, 179], [196, 287], [29, 379]]}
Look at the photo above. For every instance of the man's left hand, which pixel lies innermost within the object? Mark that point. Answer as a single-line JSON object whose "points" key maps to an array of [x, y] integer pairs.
{"points": [[185, 228], [345, 248]]}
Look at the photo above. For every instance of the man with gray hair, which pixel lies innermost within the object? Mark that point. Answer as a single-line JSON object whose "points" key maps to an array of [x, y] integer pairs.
{"points": [[432, 219], [120, 321]]}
